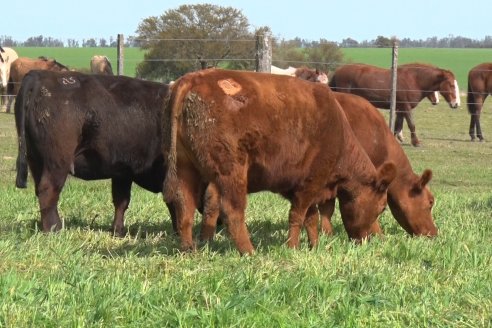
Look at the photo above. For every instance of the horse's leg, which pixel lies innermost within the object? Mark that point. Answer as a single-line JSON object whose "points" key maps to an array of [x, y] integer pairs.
{"points": [[326, 210], [478, 127], [399, 126], [411, 126], [121, 190], [471, 131]]}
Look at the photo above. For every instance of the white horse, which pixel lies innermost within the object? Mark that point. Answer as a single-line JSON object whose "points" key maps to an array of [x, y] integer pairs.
{"points": [[304, 73], [7, 56]]}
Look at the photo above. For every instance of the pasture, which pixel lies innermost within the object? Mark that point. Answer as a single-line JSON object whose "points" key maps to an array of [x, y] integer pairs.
{"points": [[84, 277]]}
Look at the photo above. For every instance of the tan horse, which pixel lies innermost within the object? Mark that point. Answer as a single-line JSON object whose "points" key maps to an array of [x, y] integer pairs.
{"points": [[101, 65], [7, 56], [21, 66]]}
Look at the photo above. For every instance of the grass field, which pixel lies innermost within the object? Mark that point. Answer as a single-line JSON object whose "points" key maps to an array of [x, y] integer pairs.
{"points": [[460, 61], [83, 277]]}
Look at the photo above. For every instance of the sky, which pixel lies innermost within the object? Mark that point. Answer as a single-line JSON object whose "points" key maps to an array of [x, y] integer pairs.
{"points": [[309, 19]]}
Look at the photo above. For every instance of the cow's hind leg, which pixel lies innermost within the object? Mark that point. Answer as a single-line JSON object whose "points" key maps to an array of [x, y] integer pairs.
{"points": [[121, 192], [48, 188], [233, 198], [211, 211]]}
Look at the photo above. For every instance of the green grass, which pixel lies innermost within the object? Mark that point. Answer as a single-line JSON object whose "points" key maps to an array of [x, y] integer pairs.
{"points": [[83, 277]]}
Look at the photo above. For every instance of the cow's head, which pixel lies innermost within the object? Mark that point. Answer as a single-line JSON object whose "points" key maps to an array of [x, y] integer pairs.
{"points": [[411, 204], [362, 203]]}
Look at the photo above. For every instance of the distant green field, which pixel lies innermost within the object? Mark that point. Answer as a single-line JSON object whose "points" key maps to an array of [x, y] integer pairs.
{"points": [[460, 61], [79, 58]]}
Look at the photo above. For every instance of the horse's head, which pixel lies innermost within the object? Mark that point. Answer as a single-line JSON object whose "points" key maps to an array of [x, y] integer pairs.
{"points": [[434, 97], [322, 77], [3, 72], [449, 89]]}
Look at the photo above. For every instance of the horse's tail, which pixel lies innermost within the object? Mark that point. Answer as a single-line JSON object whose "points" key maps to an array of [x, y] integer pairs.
{"points": [[333, 83], [173, 107], [471, 102], [23, 104]]}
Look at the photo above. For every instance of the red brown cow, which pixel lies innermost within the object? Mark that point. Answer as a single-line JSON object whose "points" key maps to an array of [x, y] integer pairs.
{"points": [[247, 132], [409, 198], [92, 127]]}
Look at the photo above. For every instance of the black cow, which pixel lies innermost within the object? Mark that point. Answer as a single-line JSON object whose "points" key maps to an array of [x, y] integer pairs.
{"points": [[93, 127]]}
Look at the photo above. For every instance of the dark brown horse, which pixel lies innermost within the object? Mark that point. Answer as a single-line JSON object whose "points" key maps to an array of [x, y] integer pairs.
{"points": [[479, 87], [21, 66], [415, 82]]}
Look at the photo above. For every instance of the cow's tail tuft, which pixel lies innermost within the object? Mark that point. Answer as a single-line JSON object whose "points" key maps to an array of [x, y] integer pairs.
{"points": [[172, 110], [21, 103]]}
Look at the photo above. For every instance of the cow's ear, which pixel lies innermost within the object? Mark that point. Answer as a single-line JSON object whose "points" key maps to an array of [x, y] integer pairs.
{"points": [[425, 178], [386, 173]]}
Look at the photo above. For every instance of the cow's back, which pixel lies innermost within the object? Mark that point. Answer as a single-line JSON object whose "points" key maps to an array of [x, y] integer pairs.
{"points": [[110, 126], [273, 127]]}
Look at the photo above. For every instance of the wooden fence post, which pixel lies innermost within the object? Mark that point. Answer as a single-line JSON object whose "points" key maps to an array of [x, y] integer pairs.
{"points": [[264, 52], [119, 54], [394, 67]]}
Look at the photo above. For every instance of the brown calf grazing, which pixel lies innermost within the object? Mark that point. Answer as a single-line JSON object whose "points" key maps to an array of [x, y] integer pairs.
{"points": [[409, 198], [246, 132], [92, 127]]}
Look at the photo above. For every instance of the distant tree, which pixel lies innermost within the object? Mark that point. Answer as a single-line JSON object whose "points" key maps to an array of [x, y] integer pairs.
{"points": [[193, 37], [383, 42], [34, 41], [72, 43], [6, 41], [349, 43], [89, 43], [103, 43], [322, 54]]}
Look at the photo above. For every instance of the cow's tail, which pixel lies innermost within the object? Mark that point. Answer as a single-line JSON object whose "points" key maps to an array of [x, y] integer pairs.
{"points": [[173, 107], [22, 103]]}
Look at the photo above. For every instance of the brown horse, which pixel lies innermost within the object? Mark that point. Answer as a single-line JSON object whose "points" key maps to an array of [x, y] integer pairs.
{"points": [[414, 82], [21, 66], [479, 87]]}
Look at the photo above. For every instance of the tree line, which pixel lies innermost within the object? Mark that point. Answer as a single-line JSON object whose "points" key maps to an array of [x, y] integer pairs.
{"points": [[380, 41], [193, 37]]}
